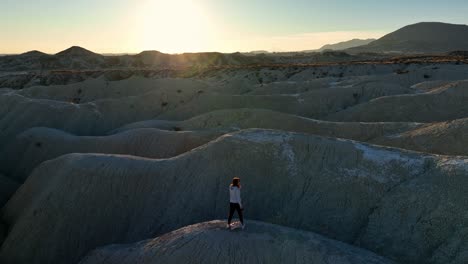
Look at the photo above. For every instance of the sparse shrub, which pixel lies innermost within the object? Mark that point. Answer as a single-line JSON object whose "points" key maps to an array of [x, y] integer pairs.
{"points": [[400, 71], [163, 104]]}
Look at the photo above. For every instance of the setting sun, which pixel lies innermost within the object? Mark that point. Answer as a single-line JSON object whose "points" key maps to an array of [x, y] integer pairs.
{"points": [[173, 26]]}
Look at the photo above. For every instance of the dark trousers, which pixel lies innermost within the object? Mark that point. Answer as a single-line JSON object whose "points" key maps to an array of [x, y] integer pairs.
{"points": [[235, 207]]}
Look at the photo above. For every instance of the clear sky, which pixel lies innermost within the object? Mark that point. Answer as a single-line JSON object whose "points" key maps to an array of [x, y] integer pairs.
{"points": [[174, 26]]}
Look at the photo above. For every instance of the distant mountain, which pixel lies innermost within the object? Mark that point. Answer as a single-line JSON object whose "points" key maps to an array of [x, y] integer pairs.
{"points": [[76, 51], [346, 44], [425, 37], [77, 58], [34, 53]]}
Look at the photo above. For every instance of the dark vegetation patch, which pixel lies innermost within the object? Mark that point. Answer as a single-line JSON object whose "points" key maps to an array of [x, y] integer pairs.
{"points": [[400, 71]]}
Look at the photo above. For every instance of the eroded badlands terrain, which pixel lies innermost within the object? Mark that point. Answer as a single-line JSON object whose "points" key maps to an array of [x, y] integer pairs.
{"points": [[353, 162]]}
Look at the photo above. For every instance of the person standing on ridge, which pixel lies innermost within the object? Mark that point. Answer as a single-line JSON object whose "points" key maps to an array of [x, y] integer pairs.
{"points": [[235, 201]]}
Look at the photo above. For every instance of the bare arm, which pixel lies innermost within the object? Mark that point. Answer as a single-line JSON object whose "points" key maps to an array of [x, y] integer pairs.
{"points": [[239, 197]]}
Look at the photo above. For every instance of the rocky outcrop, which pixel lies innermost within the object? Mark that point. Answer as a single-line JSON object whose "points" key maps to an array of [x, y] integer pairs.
{"points": [[446, 103], [36, 145], [400, 204], [210, 242]]}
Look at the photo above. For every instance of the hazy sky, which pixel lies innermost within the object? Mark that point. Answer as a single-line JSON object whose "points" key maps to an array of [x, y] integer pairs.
{"points": [[208, 25]]}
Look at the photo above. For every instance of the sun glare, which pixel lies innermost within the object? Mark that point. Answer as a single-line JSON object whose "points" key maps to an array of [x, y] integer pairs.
{"points": [[173, 26]]}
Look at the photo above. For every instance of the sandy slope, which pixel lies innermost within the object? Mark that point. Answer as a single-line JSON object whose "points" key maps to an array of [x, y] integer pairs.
{"points": [[449, 138], [40, 144], [386, 200], [18, 113], [313, 104], [446, 103], [244, 118], [7, 188], [210, 242], [96, 106], [405, 205], [144, 139], [101, 88]]}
